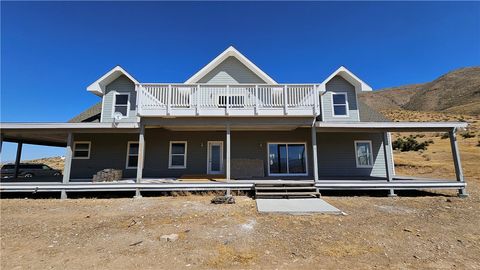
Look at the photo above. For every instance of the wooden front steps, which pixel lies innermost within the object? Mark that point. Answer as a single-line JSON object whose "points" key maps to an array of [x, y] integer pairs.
{"points": [[288, 190]]}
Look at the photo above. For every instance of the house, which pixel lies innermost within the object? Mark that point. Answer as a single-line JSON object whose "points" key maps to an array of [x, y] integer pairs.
{"points": [[229, 120]]}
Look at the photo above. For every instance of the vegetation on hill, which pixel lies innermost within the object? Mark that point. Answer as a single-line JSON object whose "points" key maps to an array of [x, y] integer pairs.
{"points": [[455, 92]]}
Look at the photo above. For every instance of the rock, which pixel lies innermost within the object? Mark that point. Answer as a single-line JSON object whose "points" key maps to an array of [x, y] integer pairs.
{"points": [[407, 230], [169, 237], [223, 200], [108, 175]]}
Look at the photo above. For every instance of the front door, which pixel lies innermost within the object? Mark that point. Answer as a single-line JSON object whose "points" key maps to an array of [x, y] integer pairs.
{"points": [[215, 158]]}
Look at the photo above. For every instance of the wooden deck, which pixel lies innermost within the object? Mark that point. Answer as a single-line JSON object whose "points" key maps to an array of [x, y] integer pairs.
{"points": [[162, 184]]}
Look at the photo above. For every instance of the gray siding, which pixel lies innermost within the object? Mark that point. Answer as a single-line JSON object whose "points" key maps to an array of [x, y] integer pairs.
{"points": [[121, 85], [339, 85], [106, 151], [336, 151], [231, 71], [336, 154]]}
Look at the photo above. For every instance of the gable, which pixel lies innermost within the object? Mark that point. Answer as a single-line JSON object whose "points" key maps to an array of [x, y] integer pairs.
{"points": [[231, 67], [231, 71]]}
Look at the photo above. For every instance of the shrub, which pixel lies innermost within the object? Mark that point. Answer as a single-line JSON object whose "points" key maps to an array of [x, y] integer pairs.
{"points": [[444, 136], [410, 144], [467, 134]]}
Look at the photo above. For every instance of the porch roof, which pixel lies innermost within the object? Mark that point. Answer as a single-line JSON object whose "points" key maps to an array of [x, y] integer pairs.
{"points": [[55, 134], [388, 126]]}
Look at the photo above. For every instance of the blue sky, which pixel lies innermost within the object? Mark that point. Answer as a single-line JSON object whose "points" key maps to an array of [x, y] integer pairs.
{"points": [[50, 51]]}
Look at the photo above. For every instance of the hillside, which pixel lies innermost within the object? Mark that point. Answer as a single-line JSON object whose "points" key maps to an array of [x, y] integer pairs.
{"points": [[455, 92]]}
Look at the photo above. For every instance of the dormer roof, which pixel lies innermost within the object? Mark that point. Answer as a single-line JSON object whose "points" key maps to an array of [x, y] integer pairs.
{"points": [[98, 87]]}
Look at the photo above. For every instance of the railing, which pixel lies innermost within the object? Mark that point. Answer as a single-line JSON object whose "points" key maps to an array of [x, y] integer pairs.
{"points": [[216, 100]]}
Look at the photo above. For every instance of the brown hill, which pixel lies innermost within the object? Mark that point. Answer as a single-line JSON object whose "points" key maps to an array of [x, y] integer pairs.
{"points": [[455, 92]]}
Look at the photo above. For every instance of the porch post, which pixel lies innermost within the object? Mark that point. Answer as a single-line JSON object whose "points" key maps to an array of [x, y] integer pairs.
{"points": [[456, 161], [68, 164], [17, 159], [388, 165], [314, 153], [227, 173], [141, 156]]}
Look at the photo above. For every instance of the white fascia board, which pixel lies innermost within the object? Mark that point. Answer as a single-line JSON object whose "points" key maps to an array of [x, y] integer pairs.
{"points": [[396, 125], [230, 51], [26, 126], [349, 76], [98, 87]]}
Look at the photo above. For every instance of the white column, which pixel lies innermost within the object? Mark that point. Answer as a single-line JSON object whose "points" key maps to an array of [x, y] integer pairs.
{"points": [[141, 158], [68, 164], [314, 153], [227, 174], [456, 161], [388, 165]]}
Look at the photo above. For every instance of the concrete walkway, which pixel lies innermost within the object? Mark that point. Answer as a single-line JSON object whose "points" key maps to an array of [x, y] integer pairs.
{"points": [[296, 206]]}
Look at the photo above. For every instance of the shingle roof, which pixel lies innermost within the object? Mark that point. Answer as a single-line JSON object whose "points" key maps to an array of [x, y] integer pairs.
{"points": [[91, 114], [368, 114]]}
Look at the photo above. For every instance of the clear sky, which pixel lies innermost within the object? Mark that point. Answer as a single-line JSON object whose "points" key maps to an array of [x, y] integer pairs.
{"points": [[51, 51]]}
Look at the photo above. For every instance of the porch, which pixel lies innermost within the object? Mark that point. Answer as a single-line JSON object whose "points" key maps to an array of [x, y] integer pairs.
{"points": [[171, 184], [329, 168]]}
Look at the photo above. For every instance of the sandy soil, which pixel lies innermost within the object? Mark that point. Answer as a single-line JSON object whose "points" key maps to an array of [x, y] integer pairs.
{"points": [[413, 231]]}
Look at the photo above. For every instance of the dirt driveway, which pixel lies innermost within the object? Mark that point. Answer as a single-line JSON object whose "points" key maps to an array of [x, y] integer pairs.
{"points": [[378, 232]]}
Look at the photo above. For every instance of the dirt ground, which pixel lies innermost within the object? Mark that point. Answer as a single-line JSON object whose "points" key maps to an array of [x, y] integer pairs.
{"points": [[413, 231]]}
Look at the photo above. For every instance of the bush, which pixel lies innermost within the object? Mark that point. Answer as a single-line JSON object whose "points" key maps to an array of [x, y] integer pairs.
{"points": [[467, 134], [410, 144], [445, 136]]}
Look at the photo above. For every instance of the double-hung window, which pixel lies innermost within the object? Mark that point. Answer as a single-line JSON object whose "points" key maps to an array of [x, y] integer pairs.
{"points": [[287, 159], [121, 104], [363, 154], [132, 155], [81, 150], [340, 104], [177, 155]]}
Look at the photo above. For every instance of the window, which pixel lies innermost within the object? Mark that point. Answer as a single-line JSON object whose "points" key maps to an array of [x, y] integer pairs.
{"points": [[339, 104], [177, 155], [81, 150], [287, 159], [363, 153], [132, 155], [121, 104]]}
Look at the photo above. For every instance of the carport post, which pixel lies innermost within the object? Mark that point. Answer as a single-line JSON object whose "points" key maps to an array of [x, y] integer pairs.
{"points": [[388, 166], [456, 161], [68, 164], [141, 156], [227, 174], [17, 159], [314, 153]]}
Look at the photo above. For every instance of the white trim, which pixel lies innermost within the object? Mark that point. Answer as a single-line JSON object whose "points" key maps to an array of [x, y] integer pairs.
{"points": [[349, 76], [371, 153], [230, 51], [98, 87], [287, 174], [170, 166], [394, 125], [209, 143], [128, 154], [347, 109], [75, 147], [115, 94]]}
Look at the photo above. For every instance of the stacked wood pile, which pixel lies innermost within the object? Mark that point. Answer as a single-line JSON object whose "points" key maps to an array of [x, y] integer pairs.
{"points": [[108, 175]]}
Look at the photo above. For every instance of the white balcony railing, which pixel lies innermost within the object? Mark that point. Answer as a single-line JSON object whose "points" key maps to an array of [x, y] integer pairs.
{"points": [[224, 100]]}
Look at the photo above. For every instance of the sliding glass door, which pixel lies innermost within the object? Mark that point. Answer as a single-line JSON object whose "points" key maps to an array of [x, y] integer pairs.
{"points": [[287, 159]]}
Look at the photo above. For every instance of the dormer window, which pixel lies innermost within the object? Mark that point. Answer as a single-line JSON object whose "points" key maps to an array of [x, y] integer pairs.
{"points": [[340, 104], [121, 104]]}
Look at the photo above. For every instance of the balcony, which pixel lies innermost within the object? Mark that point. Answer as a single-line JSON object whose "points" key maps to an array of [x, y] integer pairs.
{"points": [[172, 100]]}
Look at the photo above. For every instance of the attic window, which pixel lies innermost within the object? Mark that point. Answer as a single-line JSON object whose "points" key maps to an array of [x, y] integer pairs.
{"points": [[121, 104], [340, 104]]}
